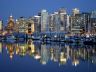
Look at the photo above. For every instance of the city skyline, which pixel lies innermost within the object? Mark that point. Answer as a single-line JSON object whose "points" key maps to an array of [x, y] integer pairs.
{"points": [[49, 13], [31, 7], [59, 21]]}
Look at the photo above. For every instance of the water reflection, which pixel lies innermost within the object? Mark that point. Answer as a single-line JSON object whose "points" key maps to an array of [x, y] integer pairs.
{"points": [[55, 52]]}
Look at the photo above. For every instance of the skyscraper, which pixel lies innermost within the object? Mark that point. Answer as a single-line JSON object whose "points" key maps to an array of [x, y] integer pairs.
{"points": [[93, 14], [75, 11], [1, 26], [63, 20], [21, 24], [80, 22], [10, 25], [44, 21], [85, 16], [76, 24], [93, 21], [30, 26], [37, 23], [51, 23], [56, 22]]}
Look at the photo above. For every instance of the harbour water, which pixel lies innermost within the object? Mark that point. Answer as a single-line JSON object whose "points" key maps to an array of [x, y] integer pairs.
{"points": [[37, 56]]}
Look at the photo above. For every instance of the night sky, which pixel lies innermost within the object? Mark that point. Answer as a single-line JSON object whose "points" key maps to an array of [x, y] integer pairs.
{"points": [[29, 8]]}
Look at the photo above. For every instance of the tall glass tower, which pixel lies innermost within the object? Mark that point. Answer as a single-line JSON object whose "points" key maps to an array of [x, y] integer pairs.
{"points": [[93, 21], [1, 25], [44, 21], [93, 14]]}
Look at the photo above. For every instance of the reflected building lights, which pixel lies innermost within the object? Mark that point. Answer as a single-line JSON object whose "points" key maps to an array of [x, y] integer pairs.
{"points": [[75, 62], [31, 47], [17, 49], [56, 53], [22, 49], [10, 50], [0, 47], [62, 58], [44, 54]]}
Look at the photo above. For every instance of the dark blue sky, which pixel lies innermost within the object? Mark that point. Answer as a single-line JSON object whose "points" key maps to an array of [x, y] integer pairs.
{"points": [[32, 7]]}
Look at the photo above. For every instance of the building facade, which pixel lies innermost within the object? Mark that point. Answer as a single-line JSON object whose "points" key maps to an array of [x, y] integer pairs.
{"points": [[93, 21], [37, 23], [10, 25], [30, 26], [21, 25], [44, 21], [86, 22], [64, 23], [1, 26], [76, 24], [80, 23]]}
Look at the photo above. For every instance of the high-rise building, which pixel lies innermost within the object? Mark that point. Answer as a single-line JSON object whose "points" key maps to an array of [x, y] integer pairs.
{"points": [[24, 25], [68, 23], [76, 24], [80, 23], [93, 24], [1, 26], [56, 22], [51, 23], [59, 21], [93, 14], [44, 21], [63, 20], [21, 25], [37, 23], [75, 21], [30, 26], [62, 10], [75, 11], [10, 26], [16, 26], [93, 21], [86, 22]]}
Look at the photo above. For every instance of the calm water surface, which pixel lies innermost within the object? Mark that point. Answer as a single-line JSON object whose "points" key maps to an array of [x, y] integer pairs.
{"points": [[47, 57]]}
